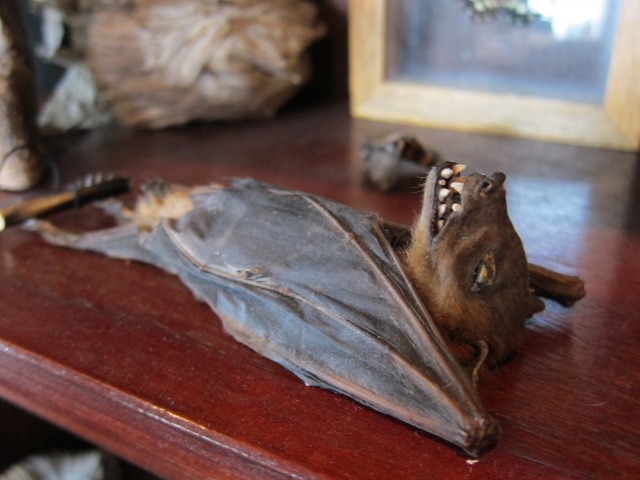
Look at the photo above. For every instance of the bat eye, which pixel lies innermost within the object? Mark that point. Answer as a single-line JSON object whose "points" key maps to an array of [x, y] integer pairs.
{"points": [[484, 273]]}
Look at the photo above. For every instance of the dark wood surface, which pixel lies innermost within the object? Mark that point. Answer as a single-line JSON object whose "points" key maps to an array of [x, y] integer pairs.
{"points": [[121, 354]]}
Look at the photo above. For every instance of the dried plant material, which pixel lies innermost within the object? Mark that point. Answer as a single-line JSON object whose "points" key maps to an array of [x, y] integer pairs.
{"points": [[20, 166], [169, 62]]}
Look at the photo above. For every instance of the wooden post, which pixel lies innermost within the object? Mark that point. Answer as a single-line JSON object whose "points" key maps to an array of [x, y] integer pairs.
{"points": [[20, 166]]}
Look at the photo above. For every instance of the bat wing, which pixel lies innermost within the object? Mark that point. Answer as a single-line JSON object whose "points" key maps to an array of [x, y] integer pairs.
{"points": [[316, 287]]}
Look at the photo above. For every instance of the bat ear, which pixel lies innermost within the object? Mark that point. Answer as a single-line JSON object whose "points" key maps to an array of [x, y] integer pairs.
{"points": [[535, 305]]}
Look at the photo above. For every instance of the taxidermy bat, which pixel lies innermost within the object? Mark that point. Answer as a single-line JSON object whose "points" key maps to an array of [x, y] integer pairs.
{"points": [[398, 319]]}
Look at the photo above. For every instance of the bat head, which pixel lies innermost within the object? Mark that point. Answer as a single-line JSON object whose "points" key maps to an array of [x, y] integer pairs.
{"points": [[468, 263]]}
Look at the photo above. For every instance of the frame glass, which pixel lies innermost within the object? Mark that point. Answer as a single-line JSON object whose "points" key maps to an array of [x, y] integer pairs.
{"points": [[570, 73]]}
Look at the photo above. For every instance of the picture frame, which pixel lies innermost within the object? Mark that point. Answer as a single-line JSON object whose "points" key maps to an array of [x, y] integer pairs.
{"points": [[611, 122]]}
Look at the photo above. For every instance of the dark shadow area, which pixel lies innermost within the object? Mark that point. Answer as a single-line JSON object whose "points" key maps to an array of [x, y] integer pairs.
{"points": [[23, 434]]}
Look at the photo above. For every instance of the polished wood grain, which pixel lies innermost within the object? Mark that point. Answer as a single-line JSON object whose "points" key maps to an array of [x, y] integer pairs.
{"points": [[122, 355]]}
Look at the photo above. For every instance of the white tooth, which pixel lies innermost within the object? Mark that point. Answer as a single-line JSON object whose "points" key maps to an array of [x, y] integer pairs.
{"points": [[442, 194], [457, 186], [456, 207], [458, 167], [446, 173], [442, 182], [440, 224], [442, 209]]}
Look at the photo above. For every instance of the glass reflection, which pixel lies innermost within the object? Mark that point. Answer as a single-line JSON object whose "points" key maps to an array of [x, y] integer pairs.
{"points": [[562, 51], [577, 20]]}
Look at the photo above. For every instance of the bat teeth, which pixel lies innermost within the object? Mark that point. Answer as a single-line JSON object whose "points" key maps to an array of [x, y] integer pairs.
{"points": [[457, 168], [449, 188], [446, 173], [442, 209], [443, 193], [456, 186]]}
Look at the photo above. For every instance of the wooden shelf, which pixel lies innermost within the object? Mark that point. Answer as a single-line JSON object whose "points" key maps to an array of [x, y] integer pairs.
{"points": [[122, 355]]}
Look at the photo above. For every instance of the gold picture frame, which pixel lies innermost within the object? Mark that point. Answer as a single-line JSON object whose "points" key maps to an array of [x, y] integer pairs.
{"points": [[614, 123]]}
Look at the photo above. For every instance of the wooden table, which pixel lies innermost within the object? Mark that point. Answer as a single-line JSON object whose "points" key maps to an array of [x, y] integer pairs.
{"points": [[121, 354]]}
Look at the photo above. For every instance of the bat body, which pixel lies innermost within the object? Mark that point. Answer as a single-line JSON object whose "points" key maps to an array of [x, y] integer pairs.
{"points": [[313, 285]]}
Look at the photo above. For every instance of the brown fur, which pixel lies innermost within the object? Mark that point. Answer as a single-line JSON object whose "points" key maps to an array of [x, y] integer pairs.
{"points": [[443, 267], [161, 201]]}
